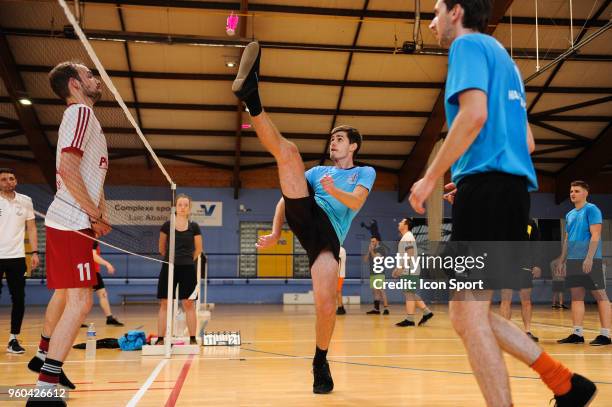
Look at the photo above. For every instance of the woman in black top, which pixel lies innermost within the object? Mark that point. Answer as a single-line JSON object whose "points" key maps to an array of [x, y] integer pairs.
{"points": [[187, 248]]}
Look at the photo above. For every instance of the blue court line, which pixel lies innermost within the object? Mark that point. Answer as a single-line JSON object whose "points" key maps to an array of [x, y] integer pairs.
{"points": [[414, 369]]}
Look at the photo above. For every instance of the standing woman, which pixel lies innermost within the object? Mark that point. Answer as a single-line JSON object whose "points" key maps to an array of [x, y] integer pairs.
{"points": [[187, 248]]}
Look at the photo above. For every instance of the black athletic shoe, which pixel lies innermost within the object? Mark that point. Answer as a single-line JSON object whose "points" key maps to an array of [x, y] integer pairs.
{"points": [[426, 318], [600, 340], [533, 337], [246, 81], [563, 306], [112, 321], [323, 382], [405, 322], [373, 312], [386, 312], [555, 306], [573, 338], [581, 393], [14, 347], [37, 363], [84, 325], [340, 311]]}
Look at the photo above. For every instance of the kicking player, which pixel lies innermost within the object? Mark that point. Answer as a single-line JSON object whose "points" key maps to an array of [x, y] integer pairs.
{"points": [[319, 204]]}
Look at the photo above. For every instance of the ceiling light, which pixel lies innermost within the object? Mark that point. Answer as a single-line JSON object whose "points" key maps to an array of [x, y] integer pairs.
{"points": [[231, 64], [25, 101]]}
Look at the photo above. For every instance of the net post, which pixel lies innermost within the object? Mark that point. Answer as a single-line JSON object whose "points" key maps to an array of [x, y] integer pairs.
{"points": [[170, 299]]}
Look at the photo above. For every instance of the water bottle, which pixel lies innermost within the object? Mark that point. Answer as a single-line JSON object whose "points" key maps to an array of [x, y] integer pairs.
{"points": [[90, 347], [180, 323]]}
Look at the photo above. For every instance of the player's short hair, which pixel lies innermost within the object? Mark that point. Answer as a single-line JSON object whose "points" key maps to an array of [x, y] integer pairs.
{"points": [[60, 75], [353, 135], [408, 222], [6, 170], [476, 13], [581, 184]]}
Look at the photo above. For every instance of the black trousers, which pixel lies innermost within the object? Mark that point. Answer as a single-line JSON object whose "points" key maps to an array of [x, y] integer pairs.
{"points": [[14, 270]]}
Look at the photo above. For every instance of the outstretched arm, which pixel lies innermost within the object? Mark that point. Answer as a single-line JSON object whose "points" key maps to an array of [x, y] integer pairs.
{"points": [[277, 225]]}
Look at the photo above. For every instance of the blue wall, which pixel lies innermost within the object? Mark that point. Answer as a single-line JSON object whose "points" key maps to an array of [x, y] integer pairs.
{"points": [[381, 205]]}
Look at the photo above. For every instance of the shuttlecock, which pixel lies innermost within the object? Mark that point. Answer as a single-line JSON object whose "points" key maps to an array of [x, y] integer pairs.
{"points": [[231, 24]]}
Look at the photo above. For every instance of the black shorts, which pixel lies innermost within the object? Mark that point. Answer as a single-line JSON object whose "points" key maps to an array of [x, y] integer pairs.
{"points": [[99, 282], [558, 286], [493, 207], [185, 279], [575, 277], [312, 227], [517, 281]]}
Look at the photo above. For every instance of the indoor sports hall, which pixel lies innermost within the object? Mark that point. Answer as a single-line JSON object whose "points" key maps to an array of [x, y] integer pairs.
{"points": [[189, 119]]}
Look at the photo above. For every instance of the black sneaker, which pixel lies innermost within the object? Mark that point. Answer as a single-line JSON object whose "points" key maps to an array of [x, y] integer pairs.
{"points": [[340, 311], [14, 347], [573, 338], [373, 312], [555, 306], [533, 337], [323, 382], [600, 340], [37, 363], [426, 318], [563, 306], [581, 393], [112, 321], [246, 81], [405, 322], [386, 312]]}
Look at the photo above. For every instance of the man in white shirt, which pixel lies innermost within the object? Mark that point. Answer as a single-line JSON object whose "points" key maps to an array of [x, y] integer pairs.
{"points": [[408, 246], [16, 216], [76, 215]]}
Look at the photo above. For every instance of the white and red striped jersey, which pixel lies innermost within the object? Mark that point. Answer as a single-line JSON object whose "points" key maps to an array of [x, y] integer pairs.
{"points": [[80, 133]]}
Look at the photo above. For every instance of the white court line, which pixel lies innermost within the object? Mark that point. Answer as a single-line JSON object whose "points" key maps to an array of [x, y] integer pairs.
{"points": [[255, 358], [145, 386]]}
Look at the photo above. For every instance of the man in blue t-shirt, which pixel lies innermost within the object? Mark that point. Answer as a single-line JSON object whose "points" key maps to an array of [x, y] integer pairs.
{"points": [[581, 255], [488, 146], [319, 204]]}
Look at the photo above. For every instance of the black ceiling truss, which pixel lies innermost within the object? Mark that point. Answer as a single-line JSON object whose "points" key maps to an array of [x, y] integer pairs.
{"points": [[125, 153], [575, 106], [108, 35], [298, 110], [557, 68], [311, 81], [337, 12], [347, 70]]}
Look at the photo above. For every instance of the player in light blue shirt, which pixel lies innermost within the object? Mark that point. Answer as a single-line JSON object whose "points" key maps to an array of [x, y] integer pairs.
{"points": [[319, 205], [488, 146], [581, 262], [345, 179]]}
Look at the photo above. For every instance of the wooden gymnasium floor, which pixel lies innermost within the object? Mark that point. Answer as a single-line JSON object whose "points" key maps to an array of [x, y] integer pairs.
{"points": [[373, 362]]}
